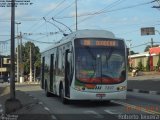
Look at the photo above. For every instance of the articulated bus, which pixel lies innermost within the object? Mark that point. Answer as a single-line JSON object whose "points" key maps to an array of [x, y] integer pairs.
{"points": [[86, 65]]}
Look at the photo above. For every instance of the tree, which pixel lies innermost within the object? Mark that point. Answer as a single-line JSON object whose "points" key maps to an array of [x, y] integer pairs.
{"points": [[140, 66], [36, 58], [132, 53], [158, 63], [148, 65], [149, 46]]}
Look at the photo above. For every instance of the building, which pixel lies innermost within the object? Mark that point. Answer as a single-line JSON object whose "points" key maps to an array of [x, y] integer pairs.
{"points": [[152, 55], [5, 66]]}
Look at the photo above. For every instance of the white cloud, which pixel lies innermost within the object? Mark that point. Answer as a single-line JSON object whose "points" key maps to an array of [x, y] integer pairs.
{"points": [[49, 7], [135, 18], [124, 19]]}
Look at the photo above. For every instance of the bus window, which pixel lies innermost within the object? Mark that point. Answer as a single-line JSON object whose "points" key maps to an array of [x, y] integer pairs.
{"points": [[100, 64]]}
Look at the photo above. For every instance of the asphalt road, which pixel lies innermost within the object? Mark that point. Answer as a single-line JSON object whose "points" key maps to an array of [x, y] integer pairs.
{"points": [[136, 106], [144, 83]]}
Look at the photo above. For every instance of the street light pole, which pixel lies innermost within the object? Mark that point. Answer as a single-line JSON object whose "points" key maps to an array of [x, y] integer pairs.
{"points": [[18, 23]]}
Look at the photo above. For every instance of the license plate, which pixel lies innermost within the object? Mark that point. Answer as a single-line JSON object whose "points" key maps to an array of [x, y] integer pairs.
{"points": [[100, 95]]}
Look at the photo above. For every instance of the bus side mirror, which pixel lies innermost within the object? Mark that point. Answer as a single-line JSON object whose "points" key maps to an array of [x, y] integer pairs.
{"points": [[68, 53], [69, 56]]}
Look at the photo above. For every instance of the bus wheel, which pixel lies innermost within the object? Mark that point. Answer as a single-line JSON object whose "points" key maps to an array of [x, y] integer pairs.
{"points": [[48, 94], [64, 100]]}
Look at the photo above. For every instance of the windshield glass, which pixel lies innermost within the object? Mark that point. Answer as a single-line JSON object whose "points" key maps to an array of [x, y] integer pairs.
{"points": [[100, 64]]}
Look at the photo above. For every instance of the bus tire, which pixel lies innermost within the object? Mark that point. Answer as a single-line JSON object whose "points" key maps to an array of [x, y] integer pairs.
{"points": [[64, 100]]}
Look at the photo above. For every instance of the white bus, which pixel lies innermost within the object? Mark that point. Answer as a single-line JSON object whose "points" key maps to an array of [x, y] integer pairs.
{"points": [[86, 65]]}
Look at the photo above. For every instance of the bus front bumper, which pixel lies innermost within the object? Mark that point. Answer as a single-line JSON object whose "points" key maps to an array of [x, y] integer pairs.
{"points": [[80, 95]]}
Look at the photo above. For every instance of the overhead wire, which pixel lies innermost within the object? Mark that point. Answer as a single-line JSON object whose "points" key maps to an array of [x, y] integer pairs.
{"points": [[97, 12], [47, 15], [64, 9], [55, 8], [140, 45], [123, 8], [37, 40], [112, 5], [104, 11]]}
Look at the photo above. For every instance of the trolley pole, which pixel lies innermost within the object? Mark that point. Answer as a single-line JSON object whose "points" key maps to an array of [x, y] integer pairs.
{"points": [[12, 104]]}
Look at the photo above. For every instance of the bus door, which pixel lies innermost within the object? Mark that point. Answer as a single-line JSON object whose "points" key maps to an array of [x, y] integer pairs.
{"points": [[42, 72], [51, 71], [67, 72]]}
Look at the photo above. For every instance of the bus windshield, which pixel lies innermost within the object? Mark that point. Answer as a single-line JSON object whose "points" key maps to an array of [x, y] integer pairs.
{"points": [[100, 63]]}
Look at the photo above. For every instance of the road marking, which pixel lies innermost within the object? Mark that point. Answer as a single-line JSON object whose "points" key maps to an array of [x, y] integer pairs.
{"points": [[135, 107], [111, 112], [136, 90], [153, 92], [35, 98], [30, 95], [40, 103], [0, 105], [53, 117], [1, 110], [97, 115], [46, 108]]}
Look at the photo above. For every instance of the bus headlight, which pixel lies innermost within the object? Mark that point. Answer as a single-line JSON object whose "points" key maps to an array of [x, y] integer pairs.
{"points": [[121, 88]]}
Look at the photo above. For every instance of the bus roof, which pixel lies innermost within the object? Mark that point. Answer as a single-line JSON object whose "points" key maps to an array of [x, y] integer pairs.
{"points": [[83, 34]]}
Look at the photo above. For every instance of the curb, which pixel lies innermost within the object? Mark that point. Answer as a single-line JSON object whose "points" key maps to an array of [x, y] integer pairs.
{"points": [[144, 91], [27, 83]]}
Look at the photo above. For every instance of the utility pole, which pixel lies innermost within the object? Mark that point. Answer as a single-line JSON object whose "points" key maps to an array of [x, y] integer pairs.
{"points": [[18, 36], [30, 63], [34, 73], [21, 62], [12, 104], [1, 63], [151, 42], [129, 46], [130, 52], [1, 57], [12, 83], [76, 15]]}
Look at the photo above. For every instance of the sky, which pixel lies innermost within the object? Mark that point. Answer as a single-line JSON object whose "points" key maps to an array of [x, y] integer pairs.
{"points": [[124, 18]]}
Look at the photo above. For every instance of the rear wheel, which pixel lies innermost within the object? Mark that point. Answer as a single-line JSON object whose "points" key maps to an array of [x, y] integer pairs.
{"points": [[48, 94], [64, 100]]}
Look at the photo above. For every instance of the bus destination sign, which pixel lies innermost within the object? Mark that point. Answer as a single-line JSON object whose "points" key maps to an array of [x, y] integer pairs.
{"points": [[110, 43]]}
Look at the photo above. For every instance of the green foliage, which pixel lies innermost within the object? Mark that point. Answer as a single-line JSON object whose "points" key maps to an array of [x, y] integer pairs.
{"points": [[132, 53], [149, 46], [158, 63], [36, 58], [148, 65], [140, 66]]}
